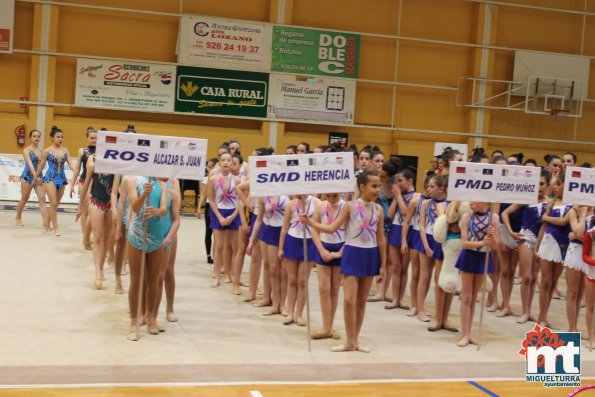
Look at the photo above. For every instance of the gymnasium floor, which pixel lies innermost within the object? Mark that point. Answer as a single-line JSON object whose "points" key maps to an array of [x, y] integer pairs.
{"points": [[58, 330]]}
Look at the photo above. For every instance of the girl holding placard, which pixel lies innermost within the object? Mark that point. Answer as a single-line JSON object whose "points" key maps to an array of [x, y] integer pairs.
{"points": [[147, 198], [432, 254], [291, 253], [364, 254], [552, 245], [328, 261], [527, 237], [478, 235]]}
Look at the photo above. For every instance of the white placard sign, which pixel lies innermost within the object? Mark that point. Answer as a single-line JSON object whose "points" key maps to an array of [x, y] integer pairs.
{"points": [[150, 155], [301, 174], [6, 26], [225, 44], [11, 168], [493, 183], [439, 148], [125, 85], [312, 99], [579, 186]]}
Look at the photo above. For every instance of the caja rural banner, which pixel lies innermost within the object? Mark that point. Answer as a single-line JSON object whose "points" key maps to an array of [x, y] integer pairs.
{"points": [[310, 51], [221, 43], [125, 85], [223, 92], [150, 155], [301, 174], [493, 183], [11, 168], [579, 186], [6, 25], [312, 99]]}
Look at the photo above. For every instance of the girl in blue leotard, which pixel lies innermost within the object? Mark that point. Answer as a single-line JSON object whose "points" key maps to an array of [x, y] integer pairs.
{"points": [[32, 155], [527, 237], [478, 237], [431, 254], [552, 242], [54, 180], [404, 193], [147, 200]]}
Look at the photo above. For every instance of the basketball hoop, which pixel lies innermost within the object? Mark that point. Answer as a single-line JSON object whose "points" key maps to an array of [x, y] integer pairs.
{"points": [[559, 114]]}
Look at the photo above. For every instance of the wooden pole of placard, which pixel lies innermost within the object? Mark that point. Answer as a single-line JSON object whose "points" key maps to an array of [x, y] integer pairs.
{"points": [[142, 274], [306, 278], [484, 287]]}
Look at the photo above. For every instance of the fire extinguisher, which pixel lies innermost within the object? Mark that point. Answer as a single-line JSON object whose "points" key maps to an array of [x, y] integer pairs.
{"points": [[20, 132]]}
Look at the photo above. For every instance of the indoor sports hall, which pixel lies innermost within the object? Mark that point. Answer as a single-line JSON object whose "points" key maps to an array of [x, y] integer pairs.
{"points": [[150, 194]]}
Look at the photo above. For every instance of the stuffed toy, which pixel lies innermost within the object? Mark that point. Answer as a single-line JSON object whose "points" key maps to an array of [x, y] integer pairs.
{"points": [[450, 279]]}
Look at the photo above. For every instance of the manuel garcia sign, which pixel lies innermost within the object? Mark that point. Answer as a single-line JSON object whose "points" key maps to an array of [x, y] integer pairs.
{"points": [[214, 91], [310, 51]]}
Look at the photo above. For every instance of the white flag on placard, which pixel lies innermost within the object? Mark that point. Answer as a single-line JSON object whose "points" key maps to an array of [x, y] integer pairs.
{"points": [[579, 186], [493, 183], [301, 174], [150, 155]]}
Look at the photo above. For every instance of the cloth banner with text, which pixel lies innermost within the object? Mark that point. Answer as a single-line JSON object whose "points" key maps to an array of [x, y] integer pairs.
{"points": [[311, 51], [218, 91], [226, 44], [125, 85], [315, 99], [6, 26], [150, 155], [11, 168], [301, 174]]}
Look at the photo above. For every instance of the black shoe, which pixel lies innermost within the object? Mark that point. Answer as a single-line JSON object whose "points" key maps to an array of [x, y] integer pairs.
{"points": [[210, 260]]}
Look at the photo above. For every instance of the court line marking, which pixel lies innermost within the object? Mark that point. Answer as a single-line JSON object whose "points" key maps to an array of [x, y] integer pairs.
{"points": [[256, 393], [254, 383], [483, 389]]}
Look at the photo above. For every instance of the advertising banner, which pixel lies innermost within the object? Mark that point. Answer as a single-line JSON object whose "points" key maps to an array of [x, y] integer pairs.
{"points": [[341, 138], [579, 186], [215, 91], [125, 85], [310, 51], [11, 168], [493, 183], [150, 155], [312, 99], [221, 43], [301, 174], [6, 25]]}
